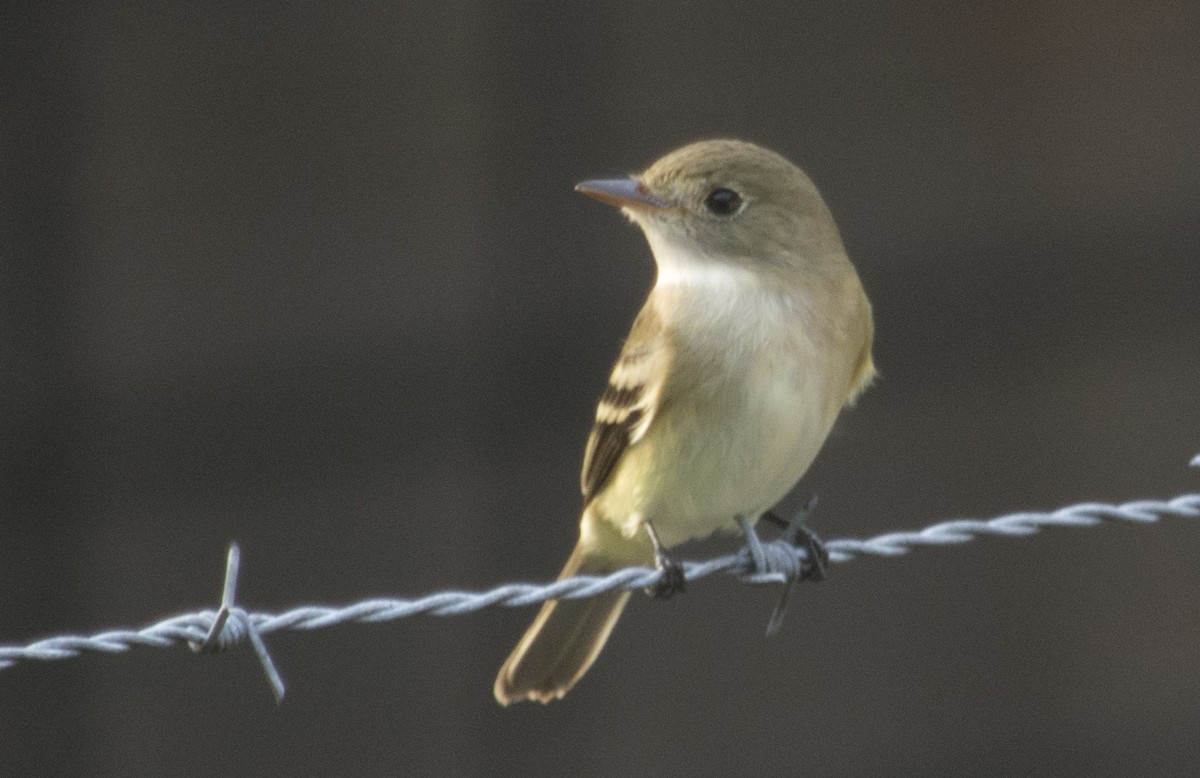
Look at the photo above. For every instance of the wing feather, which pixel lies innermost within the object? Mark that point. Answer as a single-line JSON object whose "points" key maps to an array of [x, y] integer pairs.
{"points": [[627, 407]]}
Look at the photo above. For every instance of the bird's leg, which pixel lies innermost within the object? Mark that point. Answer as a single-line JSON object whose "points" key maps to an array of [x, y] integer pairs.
{"points": [[671, 572], [757, 555]]}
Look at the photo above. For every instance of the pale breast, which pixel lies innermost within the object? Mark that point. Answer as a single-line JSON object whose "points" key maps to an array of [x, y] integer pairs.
{"points": [[737, 427]]}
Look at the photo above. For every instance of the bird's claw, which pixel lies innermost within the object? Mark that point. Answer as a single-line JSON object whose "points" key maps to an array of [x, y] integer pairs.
{"points": [[671, 578]]}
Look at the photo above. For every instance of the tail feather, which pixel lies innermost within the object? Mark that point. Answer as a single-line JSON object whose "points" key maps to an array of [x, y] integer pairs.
{"points": [[563, 641]]}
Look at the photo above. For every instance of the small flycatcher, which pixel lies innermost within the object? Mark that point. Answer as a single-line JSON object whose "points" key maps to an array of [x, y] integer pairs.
{"points": [[755, 335]]}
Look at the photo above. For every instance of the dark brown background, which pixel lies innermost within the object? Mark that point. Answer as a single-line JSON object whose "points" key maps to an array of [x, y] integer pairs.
{"points": [[314, 279]]}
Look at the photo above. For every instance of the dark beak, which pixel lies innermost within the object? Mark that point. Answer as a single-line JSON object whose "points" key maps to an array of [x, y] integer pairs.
{"points": [[622, 192]]}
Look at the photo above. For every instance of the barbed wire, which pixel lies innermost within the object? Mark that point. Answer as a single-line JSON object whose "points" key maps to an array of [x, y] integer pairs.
{"points": [[778, 561]]}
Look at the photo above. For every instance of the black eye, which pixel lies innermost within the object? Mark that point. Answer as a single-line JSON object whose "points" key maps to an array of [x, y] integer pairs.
{"points": [[723, 202]]}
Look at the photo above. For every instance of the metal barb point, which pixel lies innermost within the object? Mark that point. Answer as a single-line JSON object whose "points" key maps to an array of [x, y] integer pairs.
{"points": [[219, 638], [212, 640], [795, 527], [795, 530]]}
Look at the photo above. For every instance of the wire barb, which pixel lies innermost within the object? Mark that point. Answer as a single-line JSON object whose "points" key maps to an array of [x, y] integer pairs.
{"points": [[230, 625], [225, 633]]}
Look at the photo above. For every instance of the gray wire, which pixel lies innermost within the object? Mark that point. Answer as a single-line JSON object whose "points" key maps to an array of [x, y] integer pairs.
{"points": [[229, 625]]}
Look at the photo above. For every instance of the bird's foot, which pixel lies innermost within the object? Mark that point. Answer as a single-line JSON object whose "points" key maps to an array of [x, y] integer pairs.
{"points": [[671, 578], [776, 562], [671, 575]]}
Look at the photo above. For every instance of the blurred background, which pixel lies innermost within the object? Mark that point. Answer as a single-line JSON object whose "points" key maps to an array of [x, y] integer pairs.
{"points": [[314, 279]]}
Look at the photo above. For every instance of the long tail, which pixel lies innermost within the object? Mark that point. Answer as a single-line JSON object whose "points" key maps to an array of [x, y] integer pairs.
{"points": [[563, 641]]}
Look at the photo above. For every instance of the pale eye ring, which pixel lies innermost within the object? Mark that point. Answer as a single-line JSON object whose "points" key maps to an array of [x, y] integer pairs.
{"points": [[723, 202]]}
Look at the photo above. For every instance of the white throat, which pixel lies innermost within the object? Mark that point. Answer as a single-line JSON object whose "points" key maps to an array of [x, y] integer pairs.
{"points": [[686, 264]]}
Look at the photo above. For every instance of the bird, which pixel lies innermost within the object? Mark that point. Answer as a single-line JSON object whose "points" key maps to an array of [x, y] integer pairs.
{"points": [[755, 335]]}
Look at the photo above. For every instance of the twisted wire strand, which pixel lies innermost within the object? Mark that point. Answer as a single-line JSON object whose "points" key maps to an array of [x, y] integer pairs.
{"points": [[215, 629]]}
